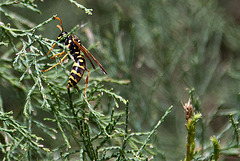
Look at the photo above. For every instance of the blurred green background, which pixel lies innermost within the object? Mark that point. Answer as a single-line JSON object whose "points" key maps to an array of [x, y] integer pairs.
{"points": [[165, 48]]}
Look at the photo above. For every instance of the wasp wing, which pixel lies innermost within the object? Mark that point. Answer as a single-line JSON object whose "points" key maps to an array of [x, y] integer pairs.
{"points": [[86, 53]]}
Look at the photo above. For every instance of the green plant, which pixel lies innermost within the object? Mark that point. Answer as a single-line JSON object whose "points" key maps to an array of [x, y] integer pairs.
{"points": [[55, 123], [152, 51]]}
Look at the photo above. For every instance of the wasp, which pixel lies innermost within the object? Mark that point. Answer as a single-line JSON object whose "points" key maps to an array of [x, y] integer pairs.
{"points": [[75, 48]]}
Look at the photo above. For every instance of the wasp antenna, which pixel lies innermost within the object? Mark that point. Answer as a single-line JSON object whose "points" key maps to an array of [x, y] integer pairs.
{"points": [[61, 28]]}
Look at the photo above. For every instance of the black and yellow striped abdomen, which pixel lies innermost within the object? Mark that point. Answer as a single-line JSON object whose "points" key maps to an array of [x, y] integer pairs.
{"points": [[79, 65], [77, 71]]}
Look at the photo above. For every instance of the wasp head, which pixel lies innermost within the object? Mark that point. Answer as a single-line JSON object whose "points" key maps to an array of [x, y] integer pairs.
{"points": [[62, 34]]}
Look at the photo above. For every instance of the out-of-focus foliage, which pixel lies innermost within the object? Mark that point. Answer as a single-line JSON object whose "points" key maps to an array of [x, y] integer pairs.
{"points": [[156, 53]]}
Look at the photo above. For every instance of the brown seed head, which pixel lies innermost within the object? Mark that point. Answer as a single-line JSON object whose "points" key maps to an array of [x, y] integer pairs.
{"points": [[189, 110]]}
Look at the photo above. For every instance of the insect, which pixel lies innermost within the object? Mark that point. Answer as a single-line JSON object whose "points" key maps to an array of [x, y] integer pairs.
{"points": [[75, 48]]}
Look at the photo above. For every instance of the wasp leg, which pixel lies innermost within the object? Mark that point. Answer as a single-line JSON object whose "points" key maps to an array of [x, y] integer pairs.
{"points": [[86, 82], [51, 48], [58, 55], [55, 64]]}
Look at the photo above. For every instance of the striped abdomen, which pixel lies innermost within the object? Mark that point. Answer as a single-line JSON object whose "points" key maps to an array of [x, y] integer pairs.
{"points": [[77, 71]]}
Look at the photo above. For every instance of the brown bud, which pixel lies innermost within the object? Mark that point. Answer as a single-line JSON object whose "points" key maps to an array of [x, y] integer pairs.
{"points": [[189, 110]]}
